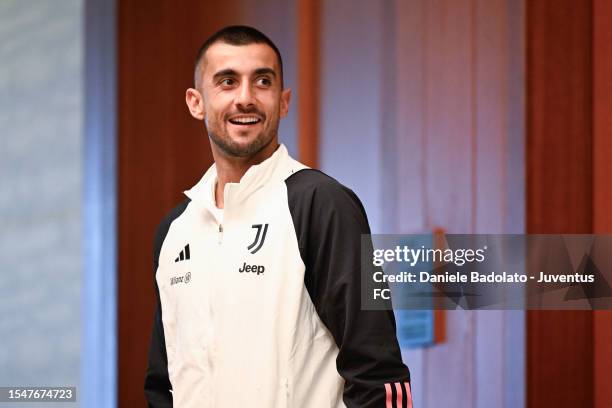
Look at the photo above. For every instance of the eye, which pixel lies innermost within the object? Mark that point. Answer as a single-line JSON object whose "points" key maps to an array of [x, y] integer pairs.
{"points": [[227, 82], [264, 81]]}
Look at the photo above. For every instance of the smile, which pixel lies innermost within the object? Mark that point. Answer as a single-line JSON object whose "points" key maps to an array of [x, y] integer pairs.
{"points": [[245, 120]]}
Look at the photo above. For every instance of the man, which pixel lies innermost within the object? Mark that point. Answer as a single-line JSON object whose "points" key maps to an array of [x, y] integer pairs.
{"points": [[257, 272]]}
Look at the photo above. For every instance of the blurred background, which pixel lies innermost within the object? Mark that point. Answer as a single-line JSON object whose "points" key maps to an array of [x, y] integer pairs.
{"points": [[471, 116]]}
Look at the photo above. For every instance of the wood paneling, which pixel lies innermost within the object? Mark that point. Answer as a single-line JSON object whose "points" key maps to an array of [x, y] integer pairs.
{"points": [[602, 186], [559, 188], [308, 80], [602, 116], [559, 359], [602, 355], [559, 106]]}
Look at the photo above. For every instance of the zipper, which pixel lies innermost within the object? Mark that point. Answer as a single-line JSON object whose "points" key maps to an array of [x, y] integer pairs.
{"points": [[220, 233]]}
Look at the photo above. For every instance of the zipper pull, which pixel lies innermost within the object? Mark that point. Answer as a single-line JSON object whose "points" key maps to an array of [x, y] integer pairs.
{"points": [[220, 233]]}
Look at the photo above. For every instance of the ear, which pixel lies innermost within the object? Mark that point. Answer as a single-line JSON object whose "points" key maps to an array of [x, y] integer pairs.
{"points": [[195, 103], [284, 103]]}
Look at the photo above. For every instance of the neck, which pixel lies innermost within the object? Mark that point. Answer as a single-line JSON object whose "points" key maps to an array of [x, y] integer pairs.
{"points": [[230, 169]]}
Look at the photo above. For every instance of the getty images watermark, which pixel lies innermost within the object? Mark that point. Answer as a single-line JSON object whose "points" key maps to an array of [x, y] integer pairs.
{"points": [[477, 271]]}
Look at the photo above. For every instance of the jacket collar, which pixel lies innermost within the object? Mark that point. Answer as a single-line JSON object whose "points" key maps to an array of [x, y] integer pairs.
{"points": [[273, 168]]}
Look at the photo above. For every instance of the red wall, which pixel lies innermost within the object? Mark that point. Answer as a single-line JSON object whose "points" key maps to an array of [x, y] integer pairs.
{"points": [[568, 186]]}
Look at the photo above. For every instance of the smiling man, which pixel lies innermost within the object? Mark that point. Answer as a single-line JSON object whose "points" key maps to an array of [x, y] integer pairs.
{"points": [[257, 272]]}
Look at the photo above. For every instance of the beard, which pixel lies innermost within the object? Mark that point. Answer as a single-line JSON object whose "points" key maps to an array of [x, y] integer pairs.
{"points": [[221, 138]]}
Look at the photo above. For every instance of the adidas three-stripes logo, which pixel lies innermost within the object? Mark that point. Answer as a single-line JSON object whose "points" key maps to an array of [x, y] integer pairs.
{"points": [[398, 395], [183, 255]]}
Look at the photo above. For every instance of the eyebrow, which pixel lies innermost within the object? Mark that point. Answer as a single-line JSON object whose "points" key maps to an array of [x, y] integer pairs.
{"points": [[224, 72], [232, 72], [265, 71]]}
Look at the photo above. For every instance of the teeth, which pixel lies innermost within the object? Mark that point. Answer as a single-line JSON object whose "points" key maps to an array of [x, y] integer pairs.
{"points": [[243, 120]]}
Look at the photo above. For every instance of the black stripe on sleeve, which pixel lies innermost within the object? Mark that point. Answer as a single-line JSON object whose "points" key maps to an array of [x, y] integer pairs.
{"points": [[405, 395], [393, 395]]}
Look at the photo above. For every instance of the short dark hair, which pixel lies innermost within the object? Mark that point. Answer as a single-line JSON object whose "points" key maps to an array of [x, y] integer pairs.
{"points": [[236, 35]]}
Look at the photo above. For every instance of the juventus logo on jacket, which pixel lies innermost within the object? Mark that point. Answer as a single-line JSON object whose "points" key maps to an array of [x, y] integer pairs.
{"points": [[258, 243]]}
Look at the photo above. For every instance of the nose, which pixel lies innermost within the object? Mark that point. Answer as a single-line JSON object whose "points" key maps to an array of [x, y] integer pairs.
{"points": [[245, 97]]}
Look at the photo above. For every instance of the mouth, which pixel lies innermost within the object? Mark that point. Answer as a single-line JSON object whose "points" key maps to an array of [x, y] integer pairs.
{"points": [[244, 120]]}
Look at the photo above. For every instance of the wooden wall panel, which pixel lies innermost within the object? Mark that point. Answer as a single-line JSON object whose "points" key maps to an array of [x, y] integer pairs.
{"points": [[559, 116], [602, 116], [559, 188], [602, 185], [308, 74], [602, 356]]}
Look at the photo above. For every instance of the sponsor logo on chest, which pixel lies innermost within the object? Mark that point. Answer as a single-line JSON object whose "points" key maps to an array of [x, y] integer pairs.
{"points": [[256, 269]]}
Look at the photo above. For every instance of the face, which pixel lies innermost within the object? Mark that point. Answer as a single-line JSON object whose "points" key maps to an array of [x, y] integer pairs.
{"points": [[240, 98]]}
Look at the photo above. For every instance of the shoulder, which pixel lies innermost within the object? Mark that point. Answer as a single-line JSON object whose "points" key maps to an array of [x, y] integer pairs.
{"points": [[316, 185], [313, 193], [164, 224]]}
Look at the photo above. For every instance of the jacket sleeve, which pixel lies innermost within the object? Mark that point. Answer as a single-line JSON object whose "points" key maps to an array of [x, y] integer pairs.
{"points": [[157, 382], [329, 221], [157, 385]]}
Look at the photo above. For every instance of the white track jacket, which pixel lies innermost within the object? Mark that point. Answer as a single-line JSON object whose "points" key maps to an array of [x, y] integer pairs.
{"points": [[261, 309]]}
